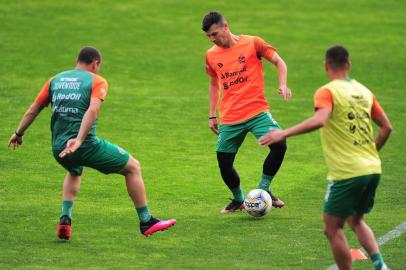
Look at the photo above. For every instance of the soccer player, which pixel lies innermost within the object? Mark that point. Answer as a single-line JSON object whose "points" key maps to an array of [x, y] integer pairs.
{"points": [[234, 66], [344, 110], [76, 96]]}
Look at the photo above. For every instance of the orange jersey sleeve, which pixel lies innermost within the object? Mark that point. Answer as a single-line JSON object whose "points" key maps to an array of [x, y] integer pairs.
{"points": [[99, 87], [43, 96], [263, 49], [209, 69], [376, 109], [323, 99]]}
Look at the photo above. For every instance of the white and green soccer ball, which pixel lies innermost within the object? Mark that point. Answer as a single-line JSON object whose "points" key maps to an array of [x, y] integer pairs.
{"points": [[258, 203]]}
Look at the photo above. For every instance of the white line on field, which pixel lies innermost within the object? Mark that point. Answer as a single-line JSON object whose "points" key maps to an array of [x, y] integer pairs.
{"points": [[398, 231]]}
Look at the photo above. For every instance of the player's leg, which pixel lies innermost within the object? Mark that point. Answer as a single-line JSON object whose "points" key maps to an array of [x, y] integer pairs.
{"points": [[333, 229], [229, 140], [136, 188], [71, 186], [232, 180], [109, 158], [136, 191], [259, 126], [270, 167], [365, 235]]}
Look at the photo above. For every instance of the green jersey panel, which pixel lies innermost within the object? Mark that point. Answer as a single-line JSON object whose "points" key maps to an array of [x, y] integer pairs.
{"points": [[70, 93]]}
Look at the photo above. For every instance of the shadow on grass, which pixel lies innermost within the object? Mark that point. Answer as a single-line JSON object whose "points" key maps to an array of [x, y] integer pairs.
{"points": [[61, 242]]}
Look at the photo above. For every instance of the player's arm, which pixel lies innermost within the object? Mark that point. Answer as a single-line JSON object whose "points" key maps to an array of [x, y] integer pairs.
{"points": [[214, 94], [385, 126], [385, 129], [87, 122], [318, 120], [268, 52], [41, 101], [29, 117], [323, 104], [282, 71]]}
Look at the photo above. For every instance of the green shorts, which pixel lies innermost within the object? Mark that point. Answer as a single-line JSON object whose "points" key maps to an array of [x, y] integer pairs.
{"points": [[100, 155], [231, 136], [352, 196]]}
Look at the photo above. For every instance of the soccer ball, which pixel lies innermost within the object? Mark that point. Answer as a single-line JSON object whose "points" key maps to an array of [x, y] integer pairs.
{"points": [[258, 203]]}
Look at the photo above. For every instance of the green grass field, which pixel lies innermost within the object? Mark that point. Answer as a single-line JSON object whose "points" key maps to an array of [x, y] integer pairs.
{"points": [[157, 109]]}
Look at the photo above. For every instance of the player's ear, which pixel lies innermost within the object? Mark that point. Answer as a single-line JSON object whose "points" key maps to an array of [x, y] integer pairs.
{"points": [[95, 66], [349, 64], [325, 66]]}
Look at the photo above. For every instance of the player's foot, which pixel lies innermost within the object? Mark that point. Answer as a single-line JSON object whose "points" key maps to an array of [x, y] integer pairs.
{"points": [[64, 228], [276, 202], [154, 225], [232, 207], [385, 267]]}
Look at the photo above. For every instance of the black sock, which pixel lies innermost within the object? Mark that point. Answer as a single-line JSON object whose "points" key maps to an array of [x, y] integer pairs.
{"points": [[274, 159], [229, 174]]}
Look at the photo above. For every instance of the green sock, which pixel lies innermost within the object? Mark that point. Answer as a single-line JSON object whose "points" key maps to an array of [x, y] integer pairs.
{"points": [[143, 213], [67, 208], [265, 182], [237, 194], [377, 260]]}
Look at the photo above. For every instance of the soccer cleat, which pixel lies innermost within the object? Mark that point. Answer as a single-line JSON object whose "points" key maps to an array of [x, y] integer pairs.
{"points": [[155, 225], [276, 202], [64, 228], [232, 207], [384, 267]]}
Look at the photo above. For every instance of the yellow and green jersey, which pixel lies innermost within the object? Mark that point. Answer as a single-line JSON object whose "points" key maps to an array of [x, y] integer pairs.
{"points": [[347, 138]]}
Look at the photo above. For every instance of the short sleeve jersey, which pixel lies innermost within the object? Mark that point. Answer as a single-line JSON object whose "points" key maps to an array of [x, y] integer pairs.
{"points": [[239, 71], [347, 139], [69, 93]]}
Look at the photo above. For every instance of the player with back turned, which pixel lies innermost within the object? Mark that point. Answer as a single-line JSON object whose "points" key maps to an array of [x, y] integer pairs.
{"points": [[344, 110], [76, 96]]}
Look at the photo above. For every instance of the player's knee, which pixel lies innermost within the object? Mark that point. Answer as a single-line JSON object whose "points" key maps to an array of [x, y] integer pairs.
{"points": [[74, 192], [279, 147], [354, 223], [134, 166], [330, 231]]}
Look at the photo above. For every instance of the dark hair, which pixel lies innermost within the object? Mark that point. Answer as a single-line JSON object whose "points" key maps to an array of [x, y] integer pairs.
{"points": [[211, 18], [337, 56], [88, 54]]}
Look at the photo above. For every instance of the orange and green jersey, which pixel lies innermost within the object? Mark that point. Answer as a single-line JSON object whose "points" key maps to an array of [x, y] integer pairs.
{"points": [[69, 93], [239, 71], [347, 138]]}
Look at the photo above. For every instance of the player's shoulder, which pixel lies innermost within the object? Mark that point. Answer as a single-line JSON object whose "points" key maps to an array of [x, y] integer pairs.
{"points": [[323, 91], [248, 38], [59, 76], [253, 38], [326, 87], [98, 79], [360, 85], [212, 50]]}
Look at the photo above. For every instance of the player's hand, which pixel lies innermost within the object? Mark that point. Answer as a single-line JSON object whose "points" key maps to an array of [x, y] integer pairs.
{"points": [[214, 126], [285, 92], [273, 136], [71, 146], [15, 141]]}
